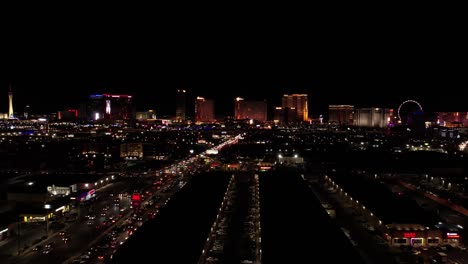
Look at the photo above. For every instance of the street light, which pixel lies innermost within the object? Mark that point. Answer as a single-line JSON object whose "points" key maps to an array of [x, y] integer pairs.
{"points": [[19, 236], [47, 207]]}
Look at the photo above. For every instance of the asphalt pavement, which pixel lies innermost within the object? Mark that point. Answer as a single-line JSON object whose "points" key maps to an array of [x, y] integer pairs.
{"points": [[80, 233]]}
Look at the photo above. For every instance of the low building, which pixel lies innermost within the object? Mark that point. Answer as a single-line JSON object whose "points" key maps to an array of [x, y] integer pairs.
{"points": [[341, 114], [131, 151], [402, 221], [28, 193], [44, 188], [30, 213], [451, 234], [84, 196], [452, 119], [290, 160], [415, 235]]}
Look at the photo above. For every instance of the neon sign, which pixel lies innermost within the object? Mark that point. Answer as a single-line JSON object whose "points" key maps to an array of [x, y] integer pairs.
{"points": [[136, 197], [453, 235], [409, 234]]}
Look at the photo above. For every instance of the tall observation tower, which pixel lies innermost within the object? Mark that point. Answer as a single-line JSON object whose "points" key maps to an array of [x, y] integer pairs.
{"points": [[10, 103]]}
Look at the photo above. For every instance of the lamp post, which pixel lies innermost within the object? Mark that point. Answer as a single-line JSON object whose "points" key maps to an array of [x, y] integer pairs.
{"points": [[19, 236], [47, 207]]}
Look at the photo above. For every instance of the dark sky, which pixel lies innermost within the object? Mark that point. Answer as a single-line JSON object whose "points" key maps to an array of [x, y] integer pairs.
{"points": [[55, 61]]}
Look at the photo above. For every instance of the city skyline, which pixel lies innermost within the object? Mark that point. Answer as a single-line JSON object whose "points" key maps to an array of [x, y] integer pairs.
{"points": [[164, 101], [365, 64], [236, 136]]}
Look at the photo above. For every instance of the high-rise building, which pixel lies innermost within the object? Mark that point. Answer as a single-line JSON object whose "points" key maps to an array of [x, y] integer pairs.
{"points": [[110, 106], [285, 115], [246, 109], [298, 102], [452, 119], [372, 117], [180, 105], [27, 111], [204, 110], [341, 114], [10, 104]]}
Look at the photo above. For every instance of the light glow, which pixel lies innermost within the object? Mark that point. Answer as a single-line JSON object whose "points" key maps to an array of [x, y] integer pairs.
{"points": [[453, 235], [108, 107]]}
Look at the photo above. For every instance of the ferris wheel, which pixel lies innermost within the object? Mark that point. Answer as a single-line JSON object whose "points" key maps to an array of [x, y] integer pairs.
{"points": [[412, 104]]}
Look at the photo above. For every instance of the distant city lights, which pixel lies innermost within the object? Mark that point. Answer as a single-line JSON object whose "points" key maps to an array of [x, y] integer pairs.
{"points": [[463, 145]]}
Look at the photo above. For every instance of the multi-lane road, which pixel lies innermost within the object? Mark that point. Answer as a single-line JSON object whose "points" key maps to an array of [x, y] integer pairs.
{"points": [[82, 231], [112, 211]]}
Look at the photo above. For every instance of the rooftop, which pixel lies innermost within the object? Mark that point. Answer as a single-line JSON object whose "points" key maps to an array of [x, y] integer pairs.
{"points": [[380, 200], [38, 183]]}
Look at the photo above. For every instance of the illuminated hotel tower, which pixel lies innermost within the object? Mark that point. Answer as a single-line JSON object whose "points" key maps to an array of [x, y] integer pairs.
{"points": [[246, 109], [180, 105], [204, 110], [299, 102], [10, 103], [341, 114]]}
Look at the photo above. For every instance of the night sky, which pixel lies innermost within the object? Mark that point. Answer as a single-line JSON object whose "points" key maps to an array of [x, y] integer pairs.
{"points": [[56, 63]]}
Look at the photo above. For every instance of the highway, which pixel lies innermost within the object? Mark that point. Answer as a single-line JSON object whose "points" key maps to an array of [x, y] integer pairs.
{"points": [[80, 232], [178, 233], [83, 234]]}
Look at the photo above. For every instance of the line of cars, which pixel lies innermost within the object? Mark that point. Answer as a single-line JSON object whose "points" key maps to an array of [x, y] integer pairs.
{"points": [[49, 247]]}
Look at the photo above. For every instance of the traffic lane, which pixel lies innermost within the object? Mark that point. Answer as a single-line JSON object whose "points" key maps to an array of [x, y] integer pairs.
{"points": [[40, 257], [445, 212], [97, 240], [79, 228], [117, 187], [115, 210], [29, 232], [454, 255], [106, 199], [123, 185], [81, 235], [438, 199]]}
